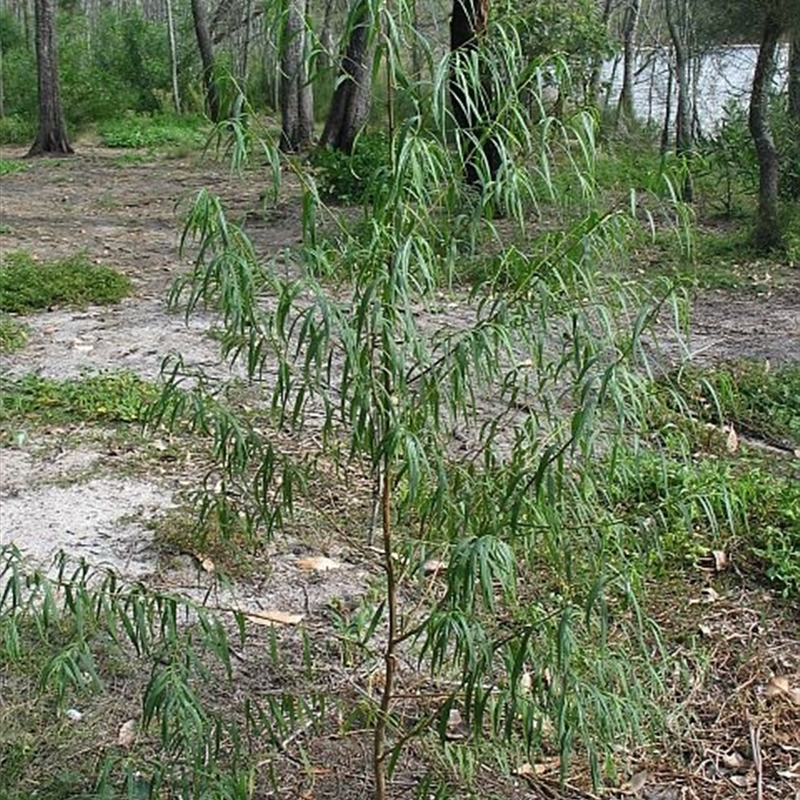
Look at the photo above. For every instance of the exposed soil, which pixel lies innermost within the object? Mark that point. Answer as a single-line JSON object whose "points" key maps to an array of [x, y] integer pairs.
{"points": [[61, 490]]}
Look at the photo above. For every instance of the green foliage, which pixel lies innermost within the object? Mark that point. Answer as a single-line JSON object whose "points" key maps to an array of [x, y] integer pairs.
{"points": [[162, 130], [16, 129], [356, 177], [760, 401], [9, 166], [113, 397], [28, 285], [13, 334], [728, 160]]}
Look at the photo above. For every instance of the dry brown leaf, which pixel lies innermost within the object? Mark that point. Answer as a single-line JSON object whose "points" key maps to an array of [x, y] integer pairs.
{"points": [[127, 733], [433, 567], [636, 783], [777, 685], [526, 682], [742, 781], [317, 564], [732, 442], [274, 617], [733, 760], [539, 768], [205, 562], [720, 560], [709, 594], [791, 774]]}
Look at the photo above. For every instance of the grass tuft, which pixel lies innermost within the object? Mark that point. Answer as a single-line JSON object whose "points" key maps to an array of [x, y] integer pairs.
{"points": [[152, 132], [13, 334], [28, 285]]}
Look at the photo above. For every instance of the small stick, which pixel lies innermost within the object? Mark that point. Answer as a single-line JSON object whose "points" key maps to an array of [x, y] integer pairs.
{"points": [[755, 744]]}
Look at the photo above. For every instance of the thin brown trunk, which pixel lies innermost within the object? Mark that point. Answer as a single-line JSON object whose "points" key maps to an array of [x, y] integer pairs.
{"points": [[207, 58], [625, 109], [52, 135], [768, 234], [678, 24]]}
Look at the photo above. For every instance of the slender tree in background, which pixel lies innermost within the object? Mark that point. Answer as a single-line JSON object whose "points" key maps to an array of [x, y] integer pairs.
{"points": [[52, 135], [625, 110], [794, 74], [296, 99], [679, 23], [351, 100], [469, 99], [173, 52], [768, 231], [207, 58]]}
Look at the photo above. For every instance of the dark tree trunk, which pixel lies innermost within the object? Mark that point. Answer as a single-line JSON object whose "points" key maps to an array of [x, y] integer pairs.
{"points": [[52, 135], [351, 100], [469, 98], [296, 100], [794, 77], [768, 233], [207, 57]]}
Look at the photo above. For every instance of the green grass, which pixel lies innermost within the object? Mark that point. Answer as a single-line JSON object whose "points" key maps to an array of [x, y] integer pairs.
{"points": [[10, 165], [28, 285], [155, 132], [108, 396], [761, 402], [13, 334]]}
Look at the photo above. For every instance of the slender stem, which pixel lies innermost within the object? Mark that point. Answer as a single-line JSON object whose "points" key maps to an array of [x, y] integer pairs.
{"points": [[379, 753]]}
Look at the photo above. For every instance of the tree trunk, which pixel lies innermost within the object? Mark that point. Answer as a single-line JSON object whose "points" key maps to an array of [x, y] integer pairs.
{"points": [[296, 101], [52, 135], [768, 233], [351, 100], [625, 108], [469, 99], [207, 58], [173, 52], [677, 23], [597, 67], [794, 77]]}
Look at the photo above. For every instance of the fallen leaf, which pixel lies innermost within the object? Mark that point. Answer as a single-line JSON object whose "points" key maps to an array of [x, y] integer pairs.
{"points": [[526, 682], [720, 560], [274, 617], [777, 685], [539, 768], [742, 781], [705, 629], [710, 595], [791, 774], [732, 442], [433, 566], [637, 782], [205, 562], [733, 760], [74, 715], [317, 564], [127, 733]]}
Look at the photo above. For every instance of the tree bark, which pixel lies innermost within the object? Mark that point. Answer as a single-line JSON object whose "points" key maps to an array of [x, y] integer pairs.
{"points": [[794, 77], [768, 234], [52, 135], [207, 58], [625, 108], [173, 52], [296, 100], [678, 30], [469, 99], [351, 100]]}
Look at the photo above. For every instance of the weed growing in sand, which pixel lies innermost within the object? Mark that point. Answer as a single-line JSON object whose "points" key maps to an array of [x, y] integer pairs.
{"points": [[105, 397], [13, 334], [10, 165], [27, 284]]}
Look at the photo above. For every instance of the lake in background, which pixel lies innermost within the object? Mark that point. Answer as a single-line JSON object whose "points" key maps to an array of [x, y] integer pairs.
{"points": [[722, 76]]}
